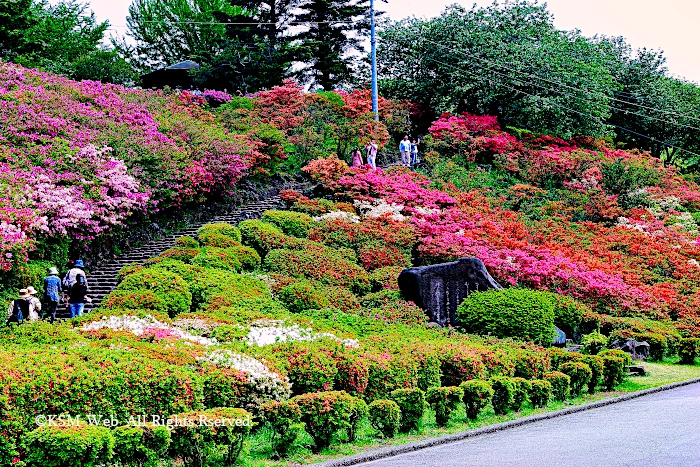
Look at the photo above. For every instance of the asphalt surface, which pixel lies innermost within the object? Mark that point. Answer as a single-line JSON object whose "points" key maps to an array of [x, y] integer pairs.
{"points": [[657, 430]]}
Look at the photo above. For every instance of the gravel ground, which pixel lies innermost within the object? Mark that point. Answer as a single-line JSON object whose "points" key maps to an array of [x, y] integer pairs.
{"points": [[657, 430]]}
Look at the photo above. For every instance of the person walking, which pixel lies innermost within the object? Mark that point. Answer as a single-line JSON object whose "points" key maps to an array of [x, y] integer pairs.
{"points": [[77, 296], [72, 275], [19, 308], [414, 152], [405, 150], [356, 158], [35, 304], [371, 149], [52, 289]]}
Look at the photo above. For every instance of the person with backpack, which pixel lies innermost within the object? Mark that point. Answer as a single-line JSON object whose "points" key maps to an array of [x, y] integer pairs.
{"points": [[35, 303], [19, 308], [72, 275], [52, 289], [77, 296]]}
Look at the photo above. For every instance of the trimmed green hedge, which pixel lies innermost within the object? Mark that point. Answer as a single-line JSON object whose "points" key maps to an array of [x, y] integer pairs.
{"points": [[520, 313], [292, 223]]}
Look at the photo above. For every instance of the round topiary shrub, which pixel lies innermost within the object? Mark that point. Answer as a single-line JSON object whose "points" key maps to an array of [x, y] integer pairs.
{"points": [[303, 295], [385, 278], [568, 312], [170, 287], [593, 343], [324, 414], [218, 258], [522, 389], [503, 394], [322, 265], [359, 412], [292, 223], [444, 401], [219, 430], [613, 371], [520, 313], [129, 269], [540, 392], [142, 445], [218, 240], [561, 384], [688, 350], [70, 445], [221, 228], [264, 237], [353, 373], [181, 254], [580, 375], [595, 363], [626, 358], [309, 369], [477, 395], [186, 242], [284, 419], [385, 417], [411, 401], [459, 364]]}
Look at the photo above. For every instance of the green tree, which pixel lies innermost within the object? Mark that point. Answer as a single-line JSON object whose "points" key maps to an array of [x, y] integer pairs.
{"points": [[506, 60], [16, 17], [164, 32], [258, 51], [333, 34]]}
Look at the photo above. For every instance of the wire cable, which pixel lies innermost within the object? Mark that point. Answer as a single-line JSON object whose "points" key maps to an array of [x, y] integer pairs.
{"points": [[571, 87], [666, 144]]}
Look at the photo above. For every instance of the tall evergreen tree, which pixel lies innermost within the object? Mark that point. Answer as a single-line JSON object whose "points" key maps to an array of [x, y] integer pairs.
{"points": [[258, 51], [335, 28]]}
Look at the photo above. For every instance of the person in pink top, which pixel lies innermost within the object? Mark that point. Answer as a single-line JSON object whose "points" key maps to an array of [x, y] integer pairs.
{"points": [[356, 158]]}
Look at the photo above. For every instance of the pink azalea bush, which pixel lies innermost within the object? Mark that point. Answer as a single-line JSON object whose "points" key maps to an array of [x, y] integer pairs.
{"points": [[79, 158]]}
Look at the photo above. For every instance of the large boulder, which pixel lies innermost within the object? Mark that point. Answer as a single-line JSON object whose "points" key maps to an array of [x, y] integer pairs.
{"points": [[440, 288], [638, 350]]}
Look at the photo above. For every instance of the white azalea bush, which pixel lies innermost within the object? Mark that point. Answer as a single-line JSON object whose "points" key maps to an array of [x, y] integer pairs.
{"points": [[145, 327], [268, 384]]}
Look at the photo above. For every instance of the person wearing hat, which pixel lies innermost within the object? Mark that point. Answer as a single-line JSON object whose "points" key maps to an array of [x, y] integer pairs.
{"points": [[52, 289], [34, 304], [72, 275], [19, 308]]}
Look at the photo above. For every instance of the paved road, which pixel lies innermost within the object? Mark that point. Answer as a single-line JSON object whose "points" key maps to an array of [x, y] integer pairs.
{"points": [[659, 430]]}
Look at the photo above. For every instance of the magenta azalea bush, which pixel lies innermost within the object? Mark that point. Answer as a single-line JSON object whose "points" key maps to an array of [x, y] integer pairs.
{"points": [[79, 158]]}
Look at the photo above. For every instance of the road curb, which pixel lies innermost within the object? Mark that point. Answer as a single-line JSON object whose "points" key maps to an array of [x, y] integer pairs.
{"points": [[392, 451]]}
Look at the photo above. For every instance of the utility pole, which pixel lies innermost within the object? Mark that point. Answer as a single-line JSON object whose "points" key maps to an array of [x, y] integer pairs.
{"points": [[373, 41]]}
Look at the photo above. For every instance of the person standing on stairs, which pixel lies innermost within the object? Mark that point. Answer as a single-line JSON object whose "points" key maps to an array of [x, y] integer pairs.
{"points": [[35, 307], [371, 149], [77, 296], [73, 274], [405, 150], [356, 158], [52, 289], [19, 308]]}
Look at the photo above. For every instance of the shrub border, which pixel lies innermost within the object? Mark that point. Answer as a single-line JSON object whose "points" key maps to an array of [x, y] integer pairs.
{"points": [[393, 451]]}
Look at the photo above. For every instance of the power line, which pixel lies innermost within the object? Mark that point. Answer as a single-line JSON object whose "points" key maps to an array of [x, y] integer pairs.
{"points": [[563, 107], [680, 125], [575, 89]]}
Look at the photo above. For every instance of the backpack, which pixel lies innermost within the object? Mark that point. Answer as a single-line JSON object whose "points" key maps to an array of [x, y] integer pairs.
{"points": [[66, 281], [18, 312]]}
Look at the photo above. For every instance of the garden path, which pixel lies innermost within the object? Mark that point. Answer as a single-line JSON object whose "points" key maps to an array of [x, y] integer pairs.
{"points": [[655, 430], [104, 280]]}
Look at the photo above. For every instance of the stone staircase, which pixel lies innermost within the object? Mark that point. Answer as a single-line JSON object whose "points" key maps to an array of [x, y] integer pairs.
{"points": [[104, 280]]}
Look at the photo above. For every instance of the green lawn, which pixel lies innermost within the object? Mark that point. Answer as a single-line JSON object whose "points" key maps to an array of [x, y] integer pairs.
{"points": [[256, 453]]}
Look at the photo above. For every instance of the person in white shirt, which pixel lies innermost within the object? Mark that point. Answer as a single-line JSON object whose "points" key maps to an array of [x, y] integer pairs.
{"points": [[371, 149], [405, 150]]}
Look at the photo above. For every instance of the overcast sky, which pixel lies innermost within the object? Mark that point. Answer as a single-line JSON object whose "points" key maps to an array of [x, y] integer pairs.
{"points": [[671, 25]]}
